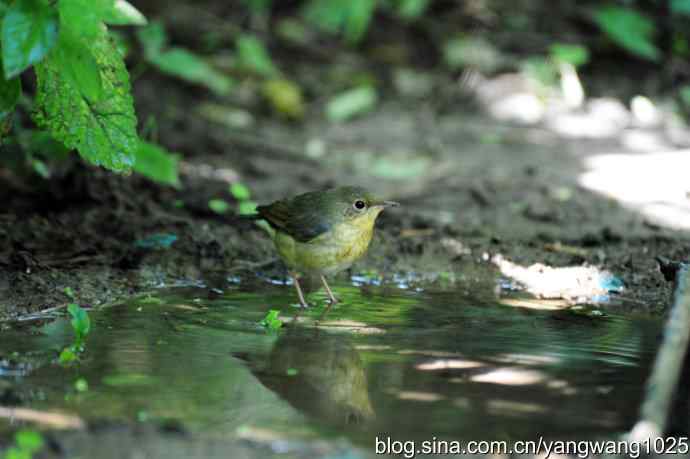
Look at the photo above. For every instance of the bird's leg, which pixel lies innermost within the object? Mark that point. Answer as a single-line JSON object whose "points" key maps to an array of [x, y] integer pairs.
{"points": [[333, 299], [302, 302]]}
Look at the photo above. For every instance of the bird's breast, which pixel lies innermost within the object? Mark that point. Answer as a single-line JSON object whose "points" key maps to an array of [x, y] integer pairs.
{"points": [[330, 252]]}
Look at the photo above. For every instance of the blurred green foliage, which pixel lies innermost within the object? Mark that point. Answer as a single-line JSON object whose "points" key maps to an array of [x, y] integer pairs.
{"points": [[285, 97], [157, 164], [253, 56], [630, 29], [81, 385], [349, 17], [180, 62], [575, 55], [412, 9], [475, 52], [351, 103], [26, 444]]}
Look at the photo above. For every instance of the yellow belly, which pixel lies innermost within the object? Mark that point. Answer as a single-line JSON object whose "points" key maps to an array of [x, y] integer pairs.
{"points": [[330, 252]]}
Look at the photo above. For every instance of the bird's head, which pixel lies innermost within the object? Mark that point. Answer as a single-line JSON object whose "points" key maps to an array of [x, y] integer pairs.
{"points": [[355, 204]]}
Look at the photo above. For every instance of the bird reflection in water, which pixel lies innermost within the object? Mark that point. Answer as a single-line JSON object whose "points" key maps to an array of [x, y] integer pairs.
{"points": [[320, 374]]}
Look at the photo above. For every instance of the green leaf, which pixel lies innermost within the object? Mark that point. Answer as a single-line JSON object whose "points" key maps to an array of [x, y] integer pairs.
{"points": [[350, 16], [10, 90], [29, 31], [29, 440], [124, 13], [329, 15], [67, 356], [104, 133], [152, 38], [84, 17], [359, 17], [40, 143], [271, 320], [156, 163], [240, 191], [576, 55], [629, 29], [246, 208], [253, 55], [284, 96], [79, 67], [412, 9], [16, 453], [81, 323], [219, 206], [40, 168], [351, 103], [81, 385], [680, 6], [190, 67], [258, 6]]}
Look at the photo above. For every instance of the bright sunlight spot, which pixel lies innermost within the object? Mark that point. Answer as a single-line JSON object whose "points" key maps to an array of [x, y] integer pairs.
{"points": [[657, 185]]}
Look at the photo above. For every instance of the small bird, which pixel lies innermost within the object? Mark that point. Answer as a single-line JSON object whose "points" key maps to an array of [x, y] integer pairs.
{"points": [[323, 232]]}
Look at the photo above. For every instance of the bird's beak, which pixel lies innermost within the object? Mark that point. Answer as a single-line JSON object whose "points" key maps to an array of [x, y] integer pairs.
{"points": [[386, 204]]}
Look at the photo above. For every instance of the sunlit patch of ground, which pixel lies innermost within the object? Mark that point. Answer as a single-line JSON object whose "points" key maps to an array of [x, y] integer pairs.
{"points": [[451, 364], [657, 185], [510, 377], [574, 283]]}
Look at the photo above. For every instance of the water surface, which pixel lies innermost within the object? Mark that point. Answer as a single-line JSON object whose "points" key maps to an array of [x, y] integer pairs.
{"points": [[386, 362]]}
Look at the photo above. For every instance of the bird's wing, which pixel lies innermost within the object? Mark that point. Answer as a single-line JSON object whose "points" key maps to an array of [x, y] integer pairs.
{"points": [[297, 217]]}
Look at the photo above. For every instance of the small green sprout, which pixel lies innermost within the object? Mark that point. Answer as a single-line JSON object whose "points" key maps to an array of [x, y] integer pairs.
{"points": [[292, 372], [219, 206], [27, 443], [68, 292], [81, 385], [81, 324], [271, 321], [240, 191], [245, 206], [67, 356]]}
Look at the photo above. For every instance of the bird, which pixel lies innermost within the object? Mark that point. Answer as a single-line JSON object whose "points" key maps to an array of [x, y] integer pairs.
{"points": [[322, 232]]}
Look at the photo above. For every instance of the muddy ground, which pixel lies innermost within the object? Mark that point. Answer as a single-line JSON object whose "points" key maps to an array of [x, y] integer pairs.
{"points": [[471, 186]]}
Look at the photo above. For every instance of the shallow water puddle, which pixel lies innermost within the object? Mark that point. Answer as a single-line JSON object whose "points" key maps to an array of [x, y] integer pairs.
{"points": [[408, 365]]}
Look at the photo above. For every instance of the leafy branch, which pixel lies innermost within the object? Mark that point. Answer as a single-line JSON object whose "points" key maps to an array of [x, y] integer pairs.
{"points": [[83, 97]]}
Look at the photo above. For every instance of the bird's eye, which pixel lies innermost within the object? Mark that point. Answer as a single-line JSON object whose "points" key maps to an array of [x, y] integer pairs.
{"points": [[359, 204]]}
